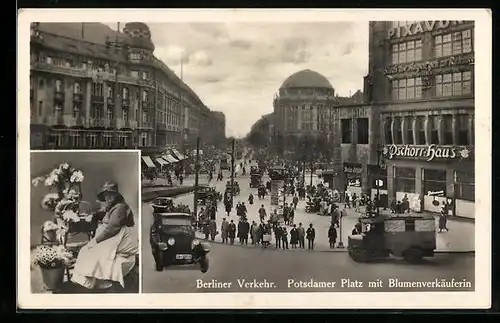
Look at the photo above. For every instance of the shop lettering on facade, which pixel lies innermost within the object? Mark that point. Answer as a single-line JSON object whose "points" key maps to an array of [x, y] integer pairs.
{"points": [[425, 68], [429, 153], [422, 27], [350, 168]]}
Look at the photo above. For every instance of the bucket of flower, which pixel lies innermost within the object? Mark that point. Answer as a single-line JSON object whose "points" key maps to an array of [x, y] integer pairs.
{"points": [[52, 260]]}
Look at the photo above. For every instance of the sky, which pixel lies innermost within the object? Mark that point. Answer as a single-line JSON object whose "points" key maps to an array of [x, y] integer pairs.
{"points": [[237, 68]]}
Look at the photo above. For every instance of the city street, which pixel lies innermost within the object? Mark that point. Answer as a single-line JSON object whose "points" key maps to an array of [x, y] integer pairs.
{"points": [[230, 263]]}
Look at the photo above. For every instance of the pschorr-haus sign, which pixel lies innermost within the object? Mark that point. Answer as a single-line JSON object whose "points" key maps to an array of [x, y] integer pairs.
{"points": [[429, 153]]}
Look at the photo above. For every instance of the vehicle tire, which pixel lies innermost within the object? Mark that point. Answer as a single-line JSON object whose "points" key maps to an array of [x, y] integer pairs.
{"points": [[358, 255], [413, 255], [204, 264]]}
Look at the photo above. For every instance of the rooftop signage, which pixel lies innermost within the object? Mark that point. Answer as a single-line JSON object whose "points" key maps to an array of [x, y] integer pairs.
{"points": [[420, 27]]}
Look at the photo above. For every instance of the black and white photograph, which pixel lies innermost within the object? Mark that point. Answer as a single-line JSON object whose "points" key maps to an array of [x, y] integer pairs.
{"points": [[270, 154], [84, 220]]}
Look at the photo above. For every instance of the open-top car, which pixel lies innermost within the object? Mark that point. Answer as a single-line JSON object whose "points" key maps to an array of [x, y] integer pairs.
{"points": [[235, 189], [173, 242], [206, 192], [162, 205]]}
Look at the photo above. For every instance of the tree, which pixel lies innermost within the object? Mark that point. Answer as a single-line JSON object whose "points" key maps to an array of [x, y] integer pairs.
{"points": [[257, 139]]}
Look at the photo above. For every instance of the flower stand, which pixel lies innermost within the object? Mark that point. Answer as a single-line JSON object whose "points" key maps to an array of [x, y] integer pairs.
{"points": [[53, 277]]}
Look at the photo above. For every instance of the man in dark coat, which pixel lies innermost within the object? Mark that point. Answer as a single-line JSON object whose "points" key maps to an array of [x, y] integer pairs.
{"points": [[277, 236], [294, 237], [284, 238], [232, 232], [245, 229], [332, 236], [310, 236], [240, 230]]}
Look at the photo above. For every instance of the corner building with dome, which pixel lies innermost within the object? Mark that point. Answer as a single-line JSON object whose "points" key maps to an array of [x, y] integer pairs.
{"points": [[308, 107]]}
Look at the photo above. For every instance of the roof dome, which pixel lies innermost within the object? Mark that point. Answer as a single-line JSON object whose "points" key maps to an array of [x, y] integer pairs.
{"points": [[306, 78]]}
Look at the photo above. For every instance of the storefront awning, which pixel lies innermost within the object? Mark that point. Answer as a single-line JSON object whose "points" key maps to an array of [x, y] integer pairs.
{"points": [[147, 160], [178, 155], [162, 161], [169, 158]]}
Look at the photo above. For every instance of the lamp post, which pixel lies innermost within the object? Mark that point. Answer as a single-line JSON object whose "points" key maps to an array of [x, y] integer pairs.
{"points": [[378, 181], [232, 172], [196, 176]]}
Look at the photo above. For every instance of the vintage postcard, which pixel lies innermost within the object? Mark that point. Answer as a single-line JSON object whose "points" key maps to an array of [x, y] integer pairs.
{"points": [[230, 159]]}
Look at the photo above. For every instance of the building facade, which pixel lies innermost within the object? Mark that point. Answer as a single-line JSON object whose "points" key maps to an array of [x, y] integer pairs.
{"points": [[95, 88], [421, 86], [308, 107]]}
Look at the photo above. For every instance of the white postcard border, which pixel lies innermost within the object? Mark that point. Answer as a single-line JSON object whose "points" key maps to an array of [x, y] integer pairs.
{"points": [[480, 298]]}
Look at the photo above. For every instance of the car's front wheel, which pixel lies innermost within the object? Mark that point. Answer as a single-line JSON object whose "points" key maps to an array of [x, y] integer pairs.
{"points": [[204, 264]]}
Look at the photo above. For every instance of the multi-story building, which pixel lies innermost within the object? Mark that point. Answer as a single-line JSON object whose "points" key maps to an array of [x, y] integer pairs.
{"points": [[92, 87], [308, 107], [421, 85]]}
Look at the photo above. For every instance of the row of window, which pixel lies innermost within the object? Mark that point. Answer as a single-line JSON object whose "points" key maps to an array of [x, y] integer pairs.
{"points": [[98, 65], [445, 85], [434, 180], [362, 130], [94, 140], [415, 132], [444, 45]]}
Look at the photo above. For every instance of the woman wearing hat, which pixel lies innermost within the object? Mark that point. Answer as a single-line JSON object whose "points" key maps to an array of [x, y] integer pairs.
{"points": [[110, 256]]}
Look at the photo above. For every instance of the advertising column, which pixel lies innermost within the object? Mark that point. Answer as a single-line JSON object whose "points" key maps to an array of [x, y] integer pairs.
{"points": [[277, 190], [352, 174]]}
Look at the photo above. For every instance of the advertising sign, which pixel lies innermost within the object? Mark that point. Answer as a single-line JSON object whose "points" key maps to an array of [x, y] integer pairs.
{"points": [[428, 153]]}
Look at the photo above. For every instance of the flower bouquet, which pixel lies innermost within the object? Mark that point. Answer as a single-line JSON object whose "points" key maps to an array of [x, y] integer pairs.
{"points": [[52, 261], [66, 201]]}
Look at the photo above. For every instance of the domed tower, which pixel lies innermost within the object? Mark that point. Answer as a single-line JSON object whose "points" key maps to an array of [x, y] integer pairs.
{"points": [[139, 40]]}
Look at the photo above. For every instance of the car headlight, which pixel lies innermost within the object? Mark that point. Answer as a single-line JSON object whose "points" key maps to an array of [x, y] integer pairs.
{"points": [[171, 241], [196, 242]]}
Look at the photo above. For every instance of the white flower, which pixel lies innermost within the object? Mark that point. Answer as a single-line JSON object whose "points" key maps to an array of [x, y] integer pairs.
{"points": [[76, 177], [70, 216], [65, 166], [37, 180], [88, 218], [52, 178], [49, 201], [49, 226]]}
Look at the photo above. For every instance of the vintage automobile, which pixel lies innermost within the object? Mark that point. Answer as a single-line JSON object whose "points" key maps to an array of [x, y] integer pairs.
{"points": [[162, 205], [411, 237], [173, 242], [206, 192], [235, 190]]}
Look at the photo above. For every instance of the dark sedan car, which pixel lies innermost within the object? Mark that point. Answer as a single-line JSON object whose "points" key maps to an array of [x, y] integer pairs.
{"points": [[173, 242]]}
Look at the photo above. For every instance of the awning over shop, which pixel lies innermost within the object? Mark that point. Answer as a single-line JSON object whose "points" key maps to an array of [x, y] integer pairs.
{"points": [[178, 155], [169, 158], [147, 160], [162, 161]]}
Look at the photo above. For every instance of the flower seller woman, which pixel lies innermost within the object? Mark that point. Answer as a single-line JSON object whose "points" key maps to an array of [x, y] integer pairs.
{"points": [[110, 256]]}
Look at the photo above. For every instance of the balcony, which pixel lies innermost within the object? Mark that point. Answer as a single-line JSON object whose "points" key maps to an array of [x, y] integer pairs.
{"points": [[64, 120], [77, 97], [99, 123], [121, 123], [125, 102], [65, 70], [59, 96], [145, 125], [97, 99]]}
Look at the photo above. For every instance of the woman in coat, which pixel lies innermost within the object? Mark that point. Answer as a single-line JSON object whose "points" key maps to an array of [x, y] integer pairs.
{"points": [[110, 256], [294, 237], [332, 236]]}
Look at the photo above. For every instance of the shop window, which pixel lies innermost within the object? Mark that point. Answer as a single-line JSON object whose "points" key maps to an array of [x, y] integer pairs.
{"points": [[75, 140], [407, 52], [453, 43], [108, 140], [434, 181], [388, 130], [454, 84], [346, 129], [433, 125], [92, 140], [404, 179], [398, 136], [363, 131], [407, 89], [409, 130], [464, 185], [448, 129], [462, 125], [420, 124]]}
